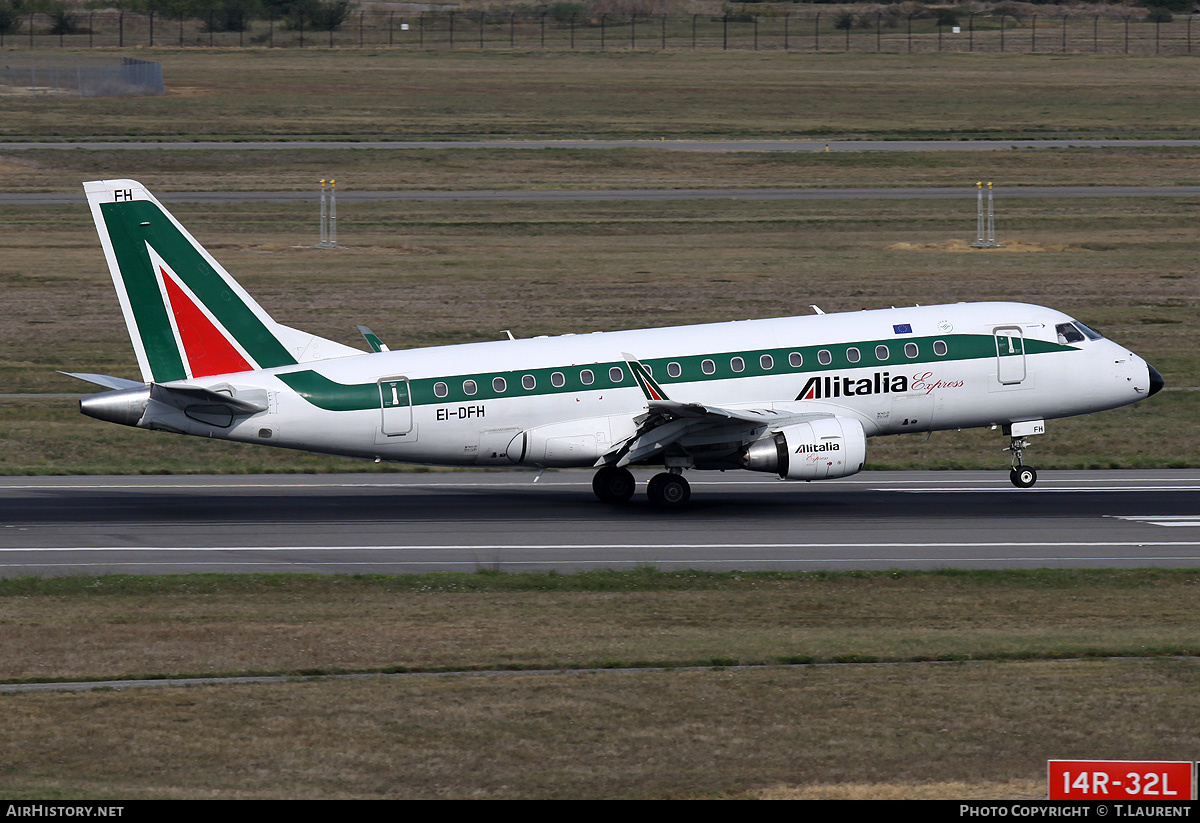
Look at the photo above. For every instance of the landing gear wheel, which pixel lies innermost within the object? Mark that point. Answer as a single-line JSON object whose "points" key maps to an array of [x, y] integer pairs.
{"points": [[669, 491], [1023, 477], [613, 485]]}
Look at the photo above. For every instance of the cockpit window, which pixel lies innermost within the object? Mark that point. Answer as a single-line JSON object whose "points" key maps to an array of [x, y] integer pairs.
{"points": [[1068, 334], [1076, 332]]}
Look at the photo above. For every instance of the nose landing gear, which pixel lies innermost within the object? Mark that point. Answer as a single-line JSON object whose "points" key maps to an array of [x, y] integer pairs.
{"points": [[1022, 476]]}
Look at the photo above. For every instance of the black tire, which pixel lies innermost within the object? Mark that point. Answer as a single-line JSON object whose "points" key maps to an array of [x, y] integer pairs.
{"points": [[669, 491], [1023, 477], [613, 485]]}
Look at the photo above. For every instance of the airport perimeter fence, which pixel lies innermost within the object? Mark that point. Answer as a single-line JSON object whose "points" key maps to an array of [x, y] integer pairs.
{"points": [[74, 76], [793, 32]]}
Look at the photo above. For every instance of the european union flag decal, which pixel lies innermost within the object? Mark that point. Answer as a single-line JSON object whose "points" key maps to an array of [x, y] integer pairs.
{"points": [[903, 328]]}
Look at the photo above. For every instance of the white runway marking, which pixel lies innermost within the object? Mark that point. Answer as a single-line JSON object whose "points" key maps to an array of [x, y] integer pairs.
{"points": [[1161, 520], [1036, 490]]}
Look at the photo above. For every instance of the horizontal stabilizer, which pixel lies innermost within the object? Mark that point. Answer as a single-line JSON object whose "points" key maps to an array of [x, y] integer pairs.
{"points": [[105, 380], [184, 397]]}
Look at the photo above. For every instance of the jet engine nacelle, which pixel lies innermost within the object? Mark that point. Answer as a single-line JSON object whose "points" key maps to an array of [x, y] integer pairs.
{"points": [[573, 443], [818, 449]]}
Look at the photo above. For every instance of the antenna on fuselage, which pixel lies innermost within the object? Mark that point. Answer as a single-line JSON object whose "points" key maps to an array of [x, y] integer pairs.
{"points": [[817, 309]]}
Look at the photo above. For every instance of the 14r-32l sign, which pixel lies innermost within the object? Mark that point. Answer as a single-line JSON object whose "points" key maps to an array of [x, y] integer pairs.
{"points": [[1122, 780]]}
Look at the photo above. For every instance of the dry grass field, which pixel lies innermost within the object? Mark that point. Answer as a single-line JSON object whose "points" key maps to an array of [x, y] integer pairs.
{"points": [[605, 685], [232, 94], [949, 731]]}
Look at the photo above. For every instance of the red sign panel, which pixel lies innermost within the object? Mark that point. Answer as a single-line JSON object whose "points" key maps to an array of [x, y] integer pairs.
{"points": [[1165, 780]]}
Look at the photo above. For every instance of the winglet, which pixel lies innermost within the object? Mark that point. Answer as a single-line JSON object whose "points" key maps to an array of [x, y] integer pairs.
{"points": [[372, 339], [642, 375]]}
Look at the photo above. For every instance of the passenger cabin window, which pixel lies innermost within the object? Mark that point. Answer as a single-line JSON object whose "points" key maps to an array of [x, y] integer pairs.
{"points": [[737, 364], [708, 367], [499, 384], [586, 377], [528, 382], [824, 357], [470, 387], [939, 348], [853, 355], [882, 352], [795, 360], [558, 380], [766, 362], [440, 389], [674, 370], [911, 350], [616, 375]]}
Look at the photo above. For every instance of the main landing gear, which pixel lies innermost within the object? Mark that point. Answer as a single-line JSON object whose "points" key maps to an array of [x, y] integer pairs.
{"points": [[613, 485], [668, 490]]}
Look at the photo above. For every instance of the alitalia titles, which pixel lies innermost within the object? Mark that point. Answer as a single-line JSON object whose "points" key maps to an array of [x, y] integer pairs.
{"points": [[824, 387], [819, 388], [816, 448]]}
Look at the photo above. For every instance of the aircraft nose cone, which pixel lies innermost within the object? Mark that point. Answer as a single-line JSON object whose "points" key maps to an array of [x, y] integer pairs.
{"points": [[1156, 381]]}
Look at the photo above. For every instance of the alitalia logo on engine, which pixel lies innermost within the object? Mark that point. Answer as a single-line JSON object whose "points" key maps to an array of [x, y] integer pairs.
{"points": [[818, 388], [816, 448]]}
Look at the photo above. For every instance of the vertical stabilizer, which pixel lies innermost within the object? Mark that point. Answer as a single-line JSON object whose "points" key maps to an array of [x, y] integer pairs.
{"points": [[187, 317]]}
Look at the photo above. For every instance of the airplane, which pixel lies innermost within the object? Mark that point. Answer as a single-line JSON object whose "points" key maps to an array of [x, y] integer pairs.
{"points": [[792, 396]]}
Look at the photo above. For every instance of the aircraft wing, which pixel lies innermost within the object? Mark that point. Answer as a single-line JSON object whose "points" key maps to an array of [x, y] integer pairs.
{"points": [[667, 422], [716, 414]]}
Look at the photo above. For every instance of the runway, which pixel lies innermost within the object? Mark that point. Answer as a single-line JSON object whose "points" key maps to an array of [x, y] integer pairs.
{"points": [[467, 521]]}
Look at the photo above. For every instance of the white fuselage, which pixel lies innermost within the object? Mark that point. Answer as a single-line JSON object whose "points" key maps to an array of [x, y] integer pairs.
{"points": [[893, 370]]}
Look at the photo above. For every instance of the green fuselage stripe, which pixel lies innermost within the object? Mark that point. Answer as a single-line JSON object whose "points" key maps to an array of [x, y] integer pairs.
{"points": [[333, 396]]}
